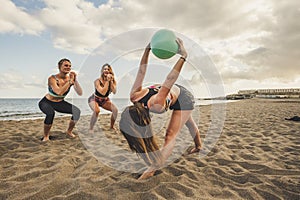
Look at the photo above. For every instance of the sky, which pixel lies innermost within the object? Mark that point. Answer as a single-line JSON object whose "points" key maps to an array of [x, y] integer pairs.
{"points": [[242, 44]]}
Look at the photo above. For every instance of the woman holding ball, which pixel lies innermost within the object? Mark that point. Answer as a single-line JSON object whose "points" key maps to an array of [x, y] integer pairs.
{"points": [[135, 122], [59, 85], [104, 85]]}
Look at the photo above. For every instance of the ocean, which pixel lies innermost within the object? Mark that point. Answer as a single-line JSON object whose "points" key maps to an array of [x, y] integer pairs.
{"points": [[22, 109]]}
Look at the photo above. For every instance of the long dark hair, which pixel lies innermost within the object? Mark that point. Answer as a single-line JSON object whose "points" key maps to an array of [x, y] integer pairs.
{"points": [[135, 125]]}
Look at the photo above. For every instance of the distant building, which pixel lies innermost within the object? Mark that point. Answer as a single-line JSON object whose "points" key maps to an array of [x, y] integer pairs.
{"points": [[291, 91], [272, 93], [247, 92]]}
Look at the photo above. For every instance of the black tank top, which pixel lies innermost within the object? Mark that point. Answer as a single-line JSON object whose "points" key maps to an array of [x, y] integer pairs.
{"points": [[99, 94]]}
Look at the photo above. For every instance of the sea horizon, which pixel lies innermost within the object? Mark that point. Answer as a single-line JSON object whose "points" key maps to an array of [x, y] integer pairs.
{"points": [[27, 108]]}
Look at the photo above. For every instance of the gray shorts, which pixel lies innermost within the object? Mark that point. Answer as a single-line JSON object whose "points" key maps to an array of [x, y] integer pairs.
{"points": [[185, 100]]}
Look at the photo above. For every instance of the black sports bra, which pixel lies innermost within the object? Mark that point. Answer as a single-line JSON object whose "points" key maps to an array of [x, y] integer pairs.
{"points": [[99, 94], [152, 91], [145, 99]]}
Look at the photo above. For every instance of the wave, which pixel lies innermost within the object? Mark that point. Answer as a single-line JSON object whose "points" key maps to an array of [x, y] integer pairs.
{"points": [[3, 114], [23, 109]]}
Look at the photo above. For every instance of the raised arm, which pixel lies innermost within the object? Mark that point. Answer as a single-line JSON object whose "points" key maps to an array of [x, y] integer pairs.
{"points": [[174, 73], [74, 81], [77, 88], [113, 84], [137, 86]]}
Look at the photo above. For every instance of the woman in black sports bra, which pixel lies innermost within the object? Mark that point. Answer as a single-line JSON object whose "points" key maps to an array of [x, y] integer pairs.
{"points": [[104, 85], [135, 122]]}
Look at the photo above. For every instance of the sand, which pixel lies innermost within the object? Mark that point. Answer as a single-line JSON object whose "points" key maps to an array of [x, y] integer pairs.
{"points": [[255, 157]]}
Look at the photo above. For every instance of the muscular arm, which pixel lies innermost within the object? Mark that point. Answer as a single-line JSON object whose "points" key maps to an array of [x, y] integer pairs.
{"points": [[172, 76], [113, 86], [77, 88], [101, 89], [59, 90], [137, 86]]}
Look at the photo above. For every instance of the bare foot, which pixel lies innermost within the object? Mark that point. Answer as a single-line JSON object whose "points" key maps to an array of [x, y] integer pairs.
{"points": [[195, 150], [70, 134], [146, 174], [113, 128], [91, 131], [45, 139]]}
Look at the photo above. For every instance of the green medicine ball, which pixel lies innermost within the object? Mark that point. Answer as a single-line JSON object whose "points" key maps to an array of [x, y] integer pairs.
{"points": [[163, 44]]}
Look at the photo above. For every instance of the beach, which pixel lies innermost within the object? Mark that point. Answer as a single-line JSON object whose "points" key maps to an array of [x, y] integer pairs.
{"points": [[255, 157]]}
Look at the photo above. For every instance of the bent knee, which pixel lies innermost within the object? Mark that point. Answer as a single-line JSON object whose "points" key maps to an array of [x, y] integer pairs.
{"points": [[170, 135], [49, 118], [97, 111], [115, 110], [76, 113]]}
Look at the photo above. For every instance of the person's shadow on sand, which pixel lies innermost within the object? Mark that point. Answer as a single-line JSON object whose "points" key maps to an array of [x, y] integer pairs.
{"points": [[295, 118]]}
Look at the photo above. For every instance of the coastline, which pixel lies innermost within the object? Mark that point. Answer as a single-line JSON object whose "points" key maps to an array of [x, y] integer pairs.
{"points": [[255, 157], [27, 108]]}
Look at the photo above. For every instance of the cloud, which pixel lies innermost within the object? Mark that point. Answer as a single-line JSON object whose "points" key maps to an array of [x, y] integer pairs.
{"points": [[16, 20], [70, 27], [254, 40], [259, 35], [266, 49], [11, 79], [36, 82], [277, 56], [14, 79]]}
